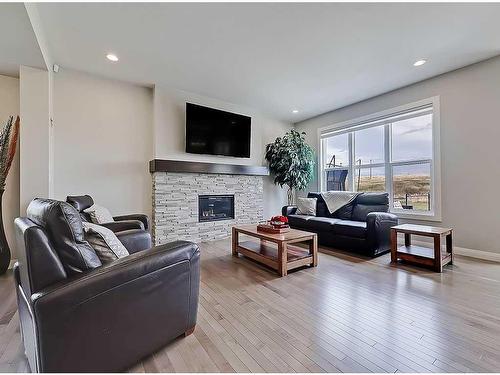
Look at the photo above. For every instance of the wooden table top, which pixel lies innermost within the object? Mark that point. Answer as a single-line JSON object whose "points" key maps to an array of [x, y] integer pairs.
{"points": [[421, 229], [292, 234]]}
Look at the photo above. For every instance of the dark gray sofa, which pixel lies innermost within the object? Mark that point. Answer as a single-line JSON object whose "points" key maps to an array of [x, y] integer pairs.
{"points": [[362, 226]]}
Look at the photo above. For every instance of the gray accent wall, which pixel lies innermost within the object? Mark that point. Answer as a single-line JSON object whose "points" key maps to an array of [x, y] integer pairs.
{"points": [[470, 152]]}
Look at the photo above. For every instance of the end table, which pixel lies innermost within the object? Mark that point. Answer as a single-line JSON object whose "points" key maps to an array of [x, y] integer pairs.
{"points": [[434, 257]]}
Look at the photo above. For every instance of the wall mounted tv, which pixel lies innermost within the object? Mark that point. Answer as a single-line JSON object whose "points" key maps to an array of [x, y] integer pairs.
{"points": [[215, 132]]}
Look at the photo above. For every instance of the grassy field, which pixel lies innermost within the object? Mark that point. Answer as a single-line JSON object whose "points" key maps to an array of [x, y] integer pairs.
{"points": [[416, 185]]}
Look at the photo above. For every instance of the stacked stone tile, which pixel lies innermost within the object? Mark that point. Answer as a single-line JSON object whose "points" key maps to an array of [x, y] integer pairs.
{"points": [[175, 204]]}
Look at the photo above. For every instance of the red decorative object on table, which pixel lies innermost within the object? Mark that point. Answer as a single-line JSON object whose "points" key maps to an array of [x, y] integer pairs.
{"points": [[277, 224]]}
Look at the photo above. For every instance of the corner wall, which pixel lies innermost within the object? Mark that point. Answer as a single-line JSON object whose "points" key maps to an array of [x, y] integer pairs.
{"points": [[34, 135], [469, 102], [9, 99], [103, 141]]}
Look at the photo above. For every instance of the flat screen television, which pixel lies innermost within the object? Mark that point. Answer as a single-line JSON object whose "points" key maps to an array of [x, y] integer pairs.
{"points": [[215, 132]]}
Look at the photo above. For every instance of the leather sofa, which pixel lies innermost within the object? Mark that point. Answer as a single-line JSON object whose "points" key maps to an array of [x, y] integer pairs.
{"points": [[132, 230], [78, 315], [362, 226]]}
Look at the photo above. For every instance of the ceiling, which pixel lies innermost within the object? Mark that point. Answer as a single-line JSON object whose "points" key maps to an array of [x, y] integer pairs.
{"points": [[18, 44], [275, 57]]}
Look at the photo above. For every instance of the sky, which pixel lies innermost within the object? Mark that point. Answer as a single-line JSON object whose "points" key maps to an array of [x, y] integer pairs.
{"points": [[411, 139]]}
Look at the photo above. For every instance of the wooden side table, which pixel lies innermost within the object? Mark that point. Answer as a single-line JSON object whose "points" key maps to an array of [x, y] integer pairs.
{"points": [[419, 255]]}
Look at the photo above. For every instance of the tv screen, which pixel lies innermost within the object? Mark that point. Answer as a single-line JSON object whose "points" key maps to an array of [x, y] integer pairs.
{"points": [[216, 132]]}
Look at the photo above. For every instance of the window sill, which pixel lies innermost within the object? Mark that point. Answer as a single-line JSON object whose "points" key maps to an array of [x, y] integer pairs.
{"points": [[420, 216]]}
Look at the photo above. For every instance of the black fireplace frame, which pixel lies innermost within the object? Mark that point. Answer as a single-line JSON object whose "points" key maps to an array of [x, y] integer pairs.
{"points": [[202, 219]]}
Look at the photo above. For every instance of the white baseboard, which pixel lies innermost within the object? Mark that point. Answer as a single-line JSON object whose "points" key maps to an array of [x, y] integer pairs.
{"points": [[478, 254], [484, 255]]}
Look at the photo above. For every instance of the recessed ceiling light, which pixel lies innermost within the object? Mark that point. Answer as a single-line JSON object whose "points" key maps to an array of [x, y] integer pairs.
{"points": [[295, 111], [112, 57], [419, 62]]}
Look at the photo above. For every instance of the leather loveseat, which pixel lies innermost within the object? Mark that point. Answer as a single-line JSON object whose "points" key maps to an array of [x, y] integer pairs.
{"points": [[132, 230], [78, 315], [362, 226]]}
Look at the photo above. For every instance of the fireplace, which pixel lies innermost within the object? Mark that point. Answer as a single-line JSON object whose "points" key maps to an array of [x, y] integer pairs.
{"points": [[215, 207]]}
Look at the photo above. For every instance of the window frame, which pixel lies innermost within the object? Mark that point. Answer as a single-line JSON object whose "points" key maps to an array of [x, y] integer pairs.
{"points": [[385, 118]]}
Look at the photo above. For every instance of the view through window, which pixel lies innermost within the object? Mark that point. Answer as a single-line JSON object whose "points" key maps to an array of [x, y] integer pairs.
{"points": [[393, 154]]}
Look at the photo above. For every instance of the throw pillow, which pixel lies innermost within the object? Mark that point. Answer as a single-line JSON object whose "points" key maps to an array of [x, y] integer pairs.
{"points": [[306, 206], [104, 242], [99, 214]]}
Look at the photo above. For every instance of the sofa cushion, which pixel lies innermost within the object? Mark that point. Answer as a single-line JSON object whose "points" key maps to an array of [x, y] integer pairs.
{"points": [[99, 214], [370, 202], [104, 242], [63, 225], [373, 199], [321, 209], [350, 228], [299, 221], [306, 206], [343, 213], [321, 224]]}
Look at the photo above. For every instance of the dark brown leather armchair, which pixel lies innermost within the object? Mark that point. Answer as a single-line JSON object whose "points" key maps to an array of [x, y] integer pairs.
{"points": [[78, 315], [132, 230]]}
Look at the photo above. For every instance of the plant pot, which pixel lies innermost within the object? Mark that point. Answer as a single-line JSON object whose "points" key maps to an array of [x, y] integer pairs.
{"points": [[4, 245], [291, 196]]}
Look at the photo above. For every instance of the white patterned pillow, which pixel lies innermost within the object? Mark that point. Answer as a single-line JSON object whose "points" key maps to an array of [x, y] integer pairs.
{"points": [[306, 206], [104, 242], [99, 214]]}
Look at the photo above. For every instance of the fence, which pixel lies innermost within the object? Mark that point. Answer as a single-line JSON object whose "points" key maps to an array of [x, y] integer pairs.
{"points": [[410, 200]]}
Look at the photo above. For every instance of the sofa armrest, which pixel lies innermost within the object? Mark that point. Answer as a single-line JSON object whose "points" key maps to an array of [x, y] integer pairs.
{"points": [[111, 317], [288, 210], [378, 225], [144, 219], [118, 226]]}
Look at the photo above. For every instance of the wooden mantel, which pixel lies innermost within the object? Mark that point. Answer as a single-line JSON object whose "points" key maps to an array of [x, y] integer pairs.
{"points": [[160, 165]]}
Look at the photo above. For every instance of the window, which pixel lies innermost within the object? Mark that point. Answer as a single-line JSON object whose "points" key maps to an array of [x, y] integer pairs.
{"points": [[394, 151]]}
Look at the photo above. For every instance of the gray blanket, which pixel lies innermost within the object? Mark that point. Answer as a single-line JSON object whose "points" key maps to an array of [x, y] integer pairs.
{"points": [[338, 199]]}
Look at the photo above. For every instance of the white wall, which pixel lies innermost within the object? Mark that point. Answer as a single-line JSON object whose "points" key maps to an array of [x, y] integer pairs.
{"points": [[9, 106], [169, 137], [103, 141], [470, 134], [34, 135]]}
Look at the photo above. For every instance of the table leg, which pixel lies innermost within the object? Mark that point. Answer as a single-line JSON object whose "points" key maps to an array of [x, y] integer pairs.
{"points": [[282, 259], [234, 240], [394, 245], [437, 254], [407, 239], [449, 246], [313, 250]]}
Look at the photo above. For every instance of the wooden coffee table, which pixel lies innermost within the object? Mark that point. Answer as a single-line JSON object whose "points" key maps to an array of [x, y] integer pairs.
{"points": [[434, 257], [282, 257]]}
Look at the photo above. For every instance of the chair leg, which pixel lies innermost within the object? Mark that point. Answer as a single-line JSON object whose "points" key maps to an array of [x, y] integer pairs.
{"points": [[189, 331]]}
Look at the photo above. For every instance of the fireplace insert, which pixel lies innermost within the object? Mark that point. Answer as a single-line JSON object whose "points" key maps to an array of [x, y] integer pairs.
{"points": [[215, 207]]}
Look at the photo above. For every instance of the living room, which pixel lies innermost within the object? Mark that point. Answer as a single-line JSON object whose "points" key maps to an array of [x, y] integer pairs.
{"points": [[350, 143]]}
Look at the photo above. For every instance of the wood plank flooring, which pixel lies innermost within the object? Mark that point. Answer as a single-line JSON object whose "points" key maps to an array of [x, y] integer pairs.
{"points": [[350, 314]]}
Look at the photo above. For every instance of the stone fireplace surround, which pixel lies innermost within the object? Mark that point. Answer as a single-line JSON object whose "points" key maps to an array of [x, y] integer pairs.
{"points": [[177, 186]]}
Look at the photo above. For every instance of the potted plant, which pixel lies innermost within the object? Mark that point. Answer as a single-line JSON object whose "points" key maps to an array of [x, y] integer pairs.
{"points": [[291, 161], [8, 142]]}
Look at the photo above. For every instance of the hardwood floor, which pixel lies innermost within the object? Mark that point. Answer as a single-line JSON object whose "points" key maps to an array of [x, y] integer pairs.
{"points": [[349, 314]]}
